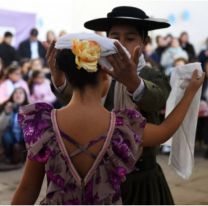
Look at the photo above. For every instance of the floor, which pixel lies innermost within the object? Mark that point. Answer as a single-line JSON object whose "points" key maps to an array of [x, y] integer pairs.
{"points": [[192, 191]]}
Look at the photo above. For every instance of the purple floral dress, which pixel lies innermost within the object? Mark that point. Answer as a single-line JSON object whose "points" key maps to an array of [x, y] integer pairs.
{"points": [[101, 185]]}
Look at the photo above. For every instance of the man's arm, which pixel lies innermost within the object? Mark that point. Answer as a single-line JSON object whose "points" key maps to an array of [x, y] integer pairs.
{"points": [[156, 90], [59, 85], [63, 92]]}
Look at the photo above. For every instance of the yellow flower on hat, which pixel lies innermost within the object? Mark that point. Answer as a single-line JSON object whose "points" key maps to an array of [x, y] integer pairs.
{"points": [[87, 53]]}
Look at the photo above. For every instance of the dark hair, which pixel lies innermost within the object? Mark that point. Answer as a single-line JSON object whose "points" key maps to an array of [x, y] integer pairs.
{"points": [[2, 71], [157, 38], [11, 99], [183, 33], [180, 59], [34, 32], [142, 33], [41, 60], [8, 34], [180, 37], [78, 78], [169, 35], [34, 75], [23, 61], [14, 66], [148, 40]]}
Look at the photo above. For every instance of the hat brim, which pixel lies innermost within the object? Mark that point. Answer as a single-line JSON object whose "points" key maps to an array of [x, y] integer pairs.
{"points": [[104, 24]]}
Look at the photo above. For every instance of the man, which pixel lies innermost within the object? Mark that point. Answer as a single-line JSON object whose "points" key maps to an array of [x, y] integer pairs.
{"points": [[203, 55], [187, 46], [146, 88], [7, 52], [161, 46], [32, 48]]}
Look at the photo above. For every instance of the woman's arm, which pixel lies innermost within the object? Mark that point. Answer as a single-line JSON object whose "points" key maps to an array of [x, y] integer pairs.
{"points": [[157, 134], [30, 185]]}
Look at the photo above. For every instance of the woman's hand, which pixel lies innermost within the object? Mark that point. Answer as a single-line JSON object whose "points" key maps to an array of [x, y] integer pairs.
{"points": [[57, 75], [195, 83], [157, 134]]}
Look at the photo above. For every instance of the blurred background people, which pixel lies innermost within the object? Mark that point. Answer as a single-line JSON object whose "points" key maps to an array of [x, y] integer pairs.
{"points": [[25, 65], [11, 134], [62, 33], [161, 46], [168, 39], [203, 54], [202, 127], [8, 53], [40, 90], [1, 71], [50, 36], [187, 46], [32, 48], [13, 79], [170, 54]]}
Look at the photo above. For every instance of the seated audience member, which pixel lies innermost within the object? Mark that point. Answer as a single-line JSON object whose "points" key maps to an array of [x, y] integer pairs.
{"points": [[40, 90], [10, 131], [187, 46], [7, 52], [203, 55], [50, 37], [171, 54], [13, 79]]}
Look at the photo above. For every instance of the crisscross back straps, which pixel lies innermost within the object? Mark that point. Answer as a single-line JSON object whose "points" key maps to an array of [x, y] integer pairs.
{"points": [[81, 148]]}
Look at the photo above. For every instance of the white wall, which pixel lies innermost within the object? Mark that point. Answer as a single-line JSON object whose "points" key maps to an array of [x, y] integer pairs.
{"points": [[71, 14]]}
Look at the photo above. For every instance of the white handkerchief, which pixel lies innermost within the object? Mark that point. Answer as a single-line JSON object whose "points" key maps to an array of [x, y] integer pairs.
{"points": [[183, 141], [106, 44]]}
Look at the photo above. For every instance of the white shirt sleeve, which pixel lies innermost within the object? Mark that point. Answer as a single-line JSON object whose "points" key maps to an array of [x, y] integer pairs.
{"points": [[60, 88], [137, 94]]}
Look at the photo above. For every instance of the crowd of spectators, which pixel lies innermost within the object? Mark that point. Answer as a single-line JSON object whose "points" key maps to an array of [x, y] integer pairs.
{"points": [[25, 78]]}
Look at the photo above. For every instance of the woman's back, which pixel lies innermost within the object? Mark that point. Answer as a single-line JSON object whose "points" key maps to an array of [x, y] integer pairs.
{"points": [[95, 180], [83, 125], [95, 175]]}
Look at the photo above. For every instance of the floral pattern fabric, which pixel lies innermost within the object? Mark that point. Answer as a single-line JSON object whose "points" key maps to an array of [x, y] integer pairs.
{"points": [[103, 185]]}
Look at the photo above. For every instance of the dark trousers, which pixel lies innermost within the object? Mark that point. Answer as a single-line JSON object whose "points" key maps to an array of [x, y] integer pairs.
{"points": [[202, 129], [9, 141]]}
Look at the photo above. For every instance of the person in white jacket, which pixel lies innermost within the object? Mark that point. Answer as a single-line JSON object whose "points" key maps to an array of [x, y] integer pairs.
{"points": [[172, 53]]}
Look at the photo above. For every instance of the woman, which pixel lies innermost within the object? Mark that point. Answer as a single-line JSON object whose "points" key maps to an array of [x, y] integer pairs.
{"points": [[12, 136], [40, 90], [13, 80], [85, 150]]}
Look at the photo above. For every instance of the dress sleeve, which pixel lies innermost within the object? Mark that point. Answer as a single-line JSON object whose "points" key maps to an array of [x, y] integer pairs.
{"points": [[124, 150], [127, 138], [35, 121]]}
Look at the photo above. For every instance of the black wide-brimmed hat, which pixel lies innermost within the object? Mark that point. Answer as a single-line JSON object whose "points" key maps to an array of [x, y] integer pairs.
{"points": [[127, 15]]}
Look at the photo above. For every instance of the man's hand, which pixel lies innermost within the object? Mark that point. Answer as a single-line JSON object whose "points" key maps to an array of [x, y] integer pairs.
{"points": [[57, 75], [124, 69]]}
